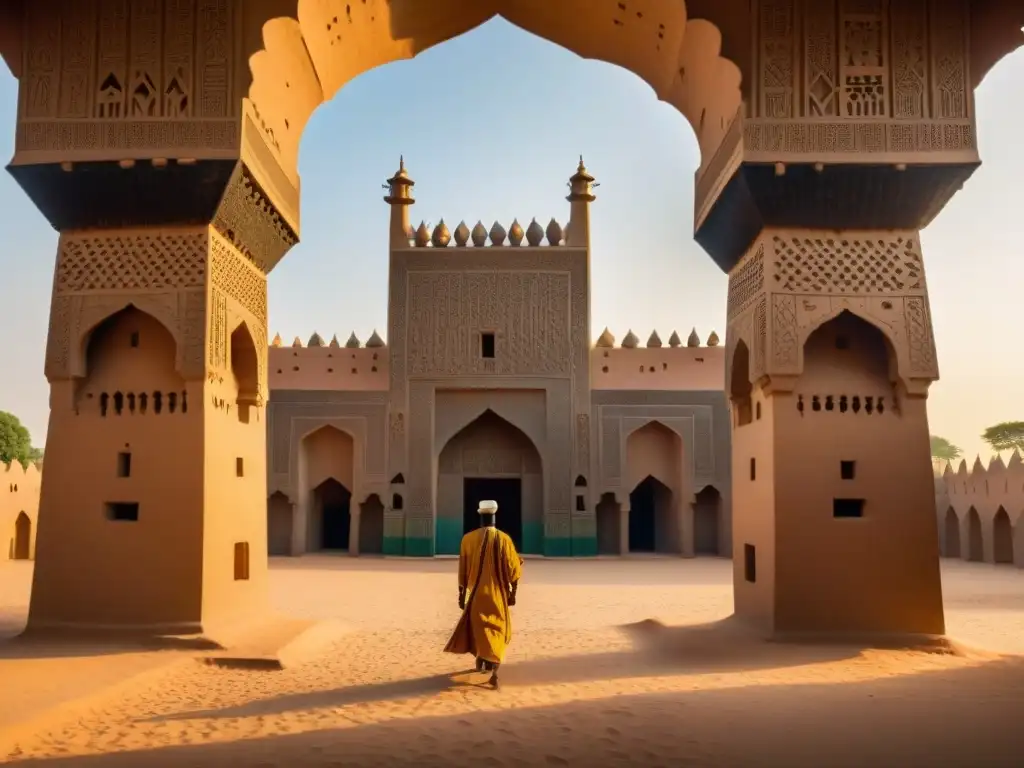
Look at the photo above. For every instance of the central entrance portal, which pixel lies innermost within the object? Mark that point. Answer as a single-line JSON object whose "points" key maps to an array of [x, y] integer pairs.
{"points": [[335, 522], [507, 491]]}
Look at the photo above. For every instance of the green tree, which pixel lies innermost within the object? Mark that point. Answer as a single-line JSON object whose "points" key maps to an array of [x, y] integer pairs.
{"points": [[1005, 436], [16, 442], [944, 450]]}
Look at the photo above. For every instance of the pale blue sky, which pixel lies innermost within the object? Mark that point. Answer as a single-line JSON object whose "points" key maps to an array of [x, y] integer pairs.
{"points": [[491, 125]]}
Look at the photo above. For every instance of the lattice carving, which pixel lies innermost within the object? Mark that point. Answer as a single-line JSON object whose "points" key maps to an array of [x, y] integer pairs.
{"points": [[528, 313], [238, 279], [785, 335], [821, 59], [746, 283], [909, 34], [777, 45], [192, 319], [919, 337], [58, 340], [760, 350], [816, 138], [863, 65], [950, 25], [583, 443], [847, 265], [218, 329], [249, 220], [141, 261]]}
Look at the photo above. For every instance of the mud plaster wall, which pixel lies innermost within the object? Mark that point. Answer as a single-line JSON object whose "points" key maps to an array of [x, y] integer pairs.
{"points": [[19, 494]]}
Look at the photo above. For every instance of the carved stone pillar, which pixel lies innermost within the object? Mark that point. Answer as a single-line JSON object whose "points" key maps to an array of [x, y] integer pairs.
{"points": [[300, 527], [857, 129], [687, 514], [355, 511], [624, 530]]}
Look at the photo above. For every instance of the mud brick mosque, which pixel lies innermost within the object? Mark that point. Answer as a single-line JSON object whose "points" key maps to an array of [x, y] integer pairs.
{"points": [[588, 448], [160, 138]]}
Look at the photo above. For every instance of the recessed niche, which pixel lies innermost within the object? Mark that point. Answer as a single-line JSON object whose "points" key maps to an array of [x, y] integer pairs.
{"points": [[123, 511], [753, 469], [124, 464], [396, 501], [487, 345], [581, 504], [239, 467], [242, 561], [750, 563], [847, 469], [842, 342], [757, 411], [847, 508], [134, 339]]}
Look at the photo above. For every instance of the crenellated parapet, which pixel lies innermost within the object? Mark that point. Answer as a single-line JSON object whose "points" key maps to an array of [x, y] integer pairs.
{"points": [[480, 237], [319, 365], [981, 510], [655, 366]]}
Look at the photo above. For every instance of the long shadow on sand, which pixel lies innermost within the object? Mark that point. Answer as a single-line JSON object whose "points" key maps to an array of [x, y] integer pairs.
{"points": [[658, 650], [950, 719], [53, 646]]}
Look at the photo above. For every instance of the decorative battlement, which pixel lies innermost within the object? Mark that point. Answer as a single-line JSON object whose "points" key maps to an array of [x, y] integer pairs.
{"points": [[655, 366], [319, 365], [480, 237], [983, 487]]}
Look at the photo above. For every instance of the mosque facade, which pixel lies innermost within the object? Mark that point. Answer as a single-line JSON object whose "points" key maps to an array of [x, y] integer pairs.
{"points": [[490, 387]]}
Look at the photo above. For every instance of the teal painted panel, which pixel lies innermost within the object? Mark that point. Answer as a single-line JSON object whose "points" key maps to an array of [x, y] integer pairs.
{"points": [[448, 534], [533, 538], [393, 545], [419, 547], [584, 546], [558, 547]]}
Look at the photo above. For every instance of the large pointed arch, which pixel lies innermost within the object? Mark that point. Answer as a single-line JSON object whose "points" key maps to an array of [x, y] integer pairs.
{"points": [[94, 315], [448, 429], [898, 364]]}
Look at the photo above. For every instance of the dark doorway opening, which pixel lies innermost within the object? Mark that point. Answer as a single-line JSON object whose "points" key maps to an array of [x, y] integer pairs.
{"points": [[643, 513], [334, 500], [507, 491]]}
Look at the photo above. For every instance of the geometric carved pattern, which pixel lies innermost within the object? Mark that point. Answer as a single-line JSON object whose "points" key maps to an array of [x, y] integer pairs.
{"points": [[785, 338], [909, 34], [919, 337], [528, 313], [251, 222], [778, 71], [143, 261], [863, 65], [239, 279], [746, 283], [820, 59], [838, 264]]}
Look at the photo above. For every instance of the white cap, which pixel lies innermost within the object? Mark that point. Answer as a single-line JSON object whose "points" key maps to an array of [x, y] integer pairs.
{"points": [[487, 507]]}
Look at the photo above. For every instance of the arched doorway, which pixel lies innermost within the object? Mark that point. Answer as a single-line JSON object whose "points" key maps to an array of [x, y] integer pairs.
{"points": [[650, 504], [608, 514], [371, 526], [279, 525], [332, 504], [490, 458], [22, 537], [740, 388], [1002, 538], [952, 532], [326, 475], [244, 371], [707, 522], [975, 542], [655, 452]]}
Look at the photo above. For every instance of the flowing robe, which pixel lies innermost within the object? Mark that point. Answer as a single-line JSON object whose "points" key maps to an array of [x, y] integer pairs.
{"points": [[488, 567]]}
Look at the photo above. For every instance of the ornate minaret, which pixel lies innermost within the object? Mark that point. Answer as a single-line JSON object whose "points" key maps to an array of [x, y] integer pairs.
{"points": [[580, 197], [399, 198]]}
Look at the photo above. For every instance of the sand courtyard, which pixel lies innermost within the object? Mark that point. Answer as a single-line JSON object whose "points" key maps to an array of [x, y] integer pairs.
{"points": [[614, 662]]}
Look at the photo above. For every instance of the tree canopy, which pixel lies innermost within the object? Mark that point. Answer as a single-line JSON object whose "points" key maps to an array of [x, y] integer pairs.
{"points": [[944, 450], [16, 442], [1005, 436]]}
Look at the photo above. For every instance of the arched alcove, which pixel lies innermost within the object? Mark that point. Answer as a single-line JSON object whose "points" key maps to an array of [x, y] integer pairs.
{"points": [[22, 537], [740, 388], [244, 371], [371, 526], [608, 521], [707, 522], [975, 541], [490, 458], [951, 527], [650, 506], [655, 451], [130, 363], [279, 524], [847, 359], [1002, 538]]}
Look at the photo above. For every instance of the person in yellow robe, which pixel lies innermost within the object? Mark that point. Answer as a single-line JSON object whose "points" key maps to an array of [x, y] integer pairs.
{"points": [[489, 573]]}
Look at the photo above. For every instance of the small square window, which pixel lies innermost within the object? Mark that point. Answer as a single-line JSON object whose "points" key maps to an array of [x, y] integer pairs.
{"points": [[847, 507], [487, 345], [123, 511], [847, 469]]}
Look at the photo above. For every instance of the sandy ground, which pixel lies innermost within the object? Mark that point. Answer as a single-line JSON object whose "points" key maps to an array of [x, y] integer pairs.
{"points": [[589, 681]]}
